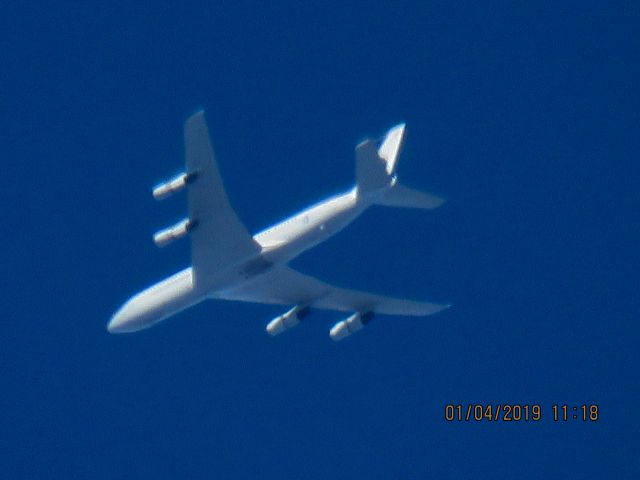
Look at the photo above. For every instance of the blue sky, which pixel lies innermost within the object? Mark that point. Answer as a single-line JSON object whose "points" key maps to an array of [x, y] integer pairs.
{"points": [[524, 114]]}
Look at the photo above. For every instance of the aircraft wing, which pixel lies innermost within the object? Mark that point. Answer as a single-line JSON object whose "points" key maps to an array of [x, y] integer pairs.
{"points": [[285, 286], [218, 238]]}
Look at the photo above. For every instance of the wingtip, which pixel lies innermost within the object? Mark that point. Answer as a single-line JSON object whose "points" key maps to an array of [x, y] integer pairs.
{"points": [[366, 143], [196, 113], [439, 201], [398, 127], [437, 308]]}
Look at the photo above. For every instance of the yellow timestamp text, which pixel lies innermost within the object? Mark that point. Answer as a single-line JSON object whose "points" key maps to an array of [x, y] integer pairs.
{"points": [[515, 412]]}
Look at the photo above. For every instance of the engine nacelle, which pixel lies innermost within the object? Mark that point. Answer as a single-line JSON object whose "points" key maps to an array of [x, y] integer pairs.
{"points": [[179, 230], [165, 190], [351, 325], [287, 321]]}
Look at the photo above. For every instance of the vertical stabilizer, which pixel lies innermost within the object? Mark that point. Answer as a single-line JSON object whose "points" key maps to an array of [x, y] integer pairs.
{"points": [[375, 166], [389, 151], [377, 179], [371, 173]]}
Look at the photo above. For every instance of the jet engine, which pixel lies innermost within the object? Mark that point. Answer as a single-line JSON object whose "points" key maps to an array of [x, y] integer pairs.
{"points": [[287, 321], [165, 190], [179, 230], [346, 327]]}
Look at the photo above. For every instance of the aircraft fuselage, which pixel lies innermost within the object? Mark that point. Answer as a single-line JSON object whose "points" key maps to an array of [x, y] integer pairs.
{"points": [[279, 244]]}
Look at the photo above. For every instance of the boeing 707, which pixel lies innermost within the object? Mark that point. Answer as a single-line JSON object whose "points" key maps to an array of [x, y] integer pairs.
{"points": [[230, 264]]}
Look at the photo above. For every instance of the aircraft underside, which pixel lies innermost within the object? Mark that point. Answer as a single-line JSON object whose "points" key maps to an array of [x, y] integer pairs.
{"points": [[229, 264]]}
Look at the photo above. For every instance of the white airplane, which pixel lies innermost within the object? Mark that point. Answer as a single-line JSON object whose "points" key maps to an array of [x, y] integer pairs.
{"points": [[229, 264]]}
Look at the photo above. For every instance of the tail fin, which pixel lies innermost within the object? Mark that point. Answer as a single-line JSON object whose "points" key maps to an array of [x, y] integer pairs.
{"points": [[389, 151], [375, 174], [375, 166]]}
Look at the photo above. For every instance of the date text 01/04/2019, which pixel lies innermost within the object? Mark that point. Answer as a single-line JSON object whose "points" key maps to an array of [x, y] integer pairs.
{"points": [[514, 412]]}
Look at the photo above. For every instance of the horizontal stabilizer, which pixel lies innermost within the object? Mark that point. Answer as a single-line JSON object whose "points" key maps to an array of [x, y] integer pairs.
{"points": [[400, 196]]}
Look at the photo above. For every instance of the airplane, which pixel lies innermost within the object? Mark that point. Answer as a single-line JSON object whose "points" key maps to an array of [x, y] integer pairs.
{"points": [[230, 264]]}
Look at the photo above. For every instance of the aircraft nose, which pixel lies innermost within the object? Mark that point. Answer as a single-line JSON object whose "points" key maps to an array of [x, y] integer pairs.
{"points": [[124, 320], [117, 322]]}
